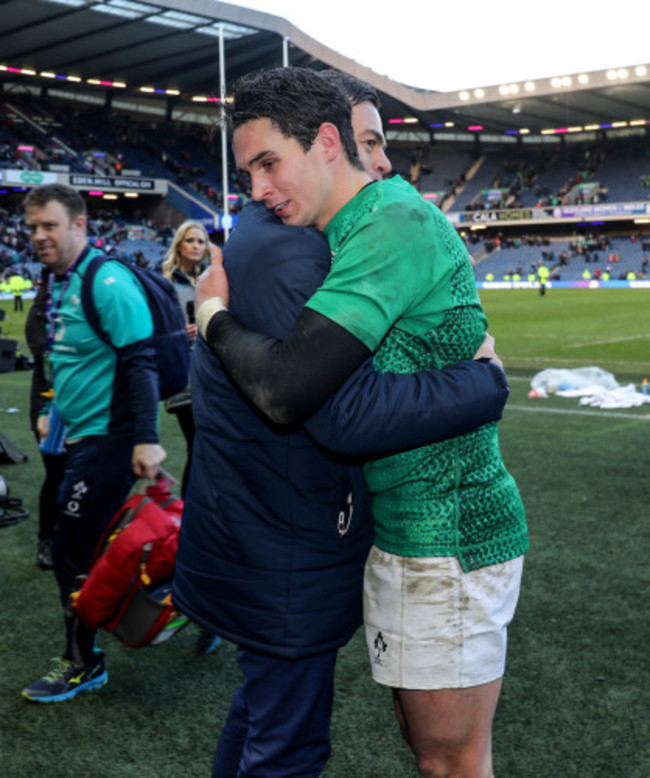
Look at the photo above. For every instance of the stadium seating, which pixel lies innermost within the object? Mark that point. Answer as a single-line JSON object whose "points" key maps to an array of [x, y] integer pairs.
{"points": [[622, 255], [488, 173], [97, 140], [621, 175]]}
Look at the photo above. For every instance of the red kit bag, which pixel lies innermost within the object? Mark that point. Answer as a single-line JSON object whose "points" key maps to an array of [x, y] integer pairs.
{"points": [[128, 589]]}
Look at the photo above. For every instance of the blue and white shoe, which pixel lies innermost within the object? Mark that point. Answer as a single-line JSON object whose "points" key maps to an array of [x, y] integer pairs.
{"points": [[65, 680]]}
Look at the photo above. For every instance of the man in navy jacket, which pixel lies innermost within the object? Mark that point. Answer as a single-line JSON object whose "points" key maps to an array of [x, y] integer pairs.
{"points": [[276, 530]]}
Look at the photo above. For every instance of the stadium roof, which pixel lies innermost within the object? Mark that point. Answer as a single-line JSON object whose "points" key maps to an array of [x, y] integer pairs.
{"points": [[173, 45]]}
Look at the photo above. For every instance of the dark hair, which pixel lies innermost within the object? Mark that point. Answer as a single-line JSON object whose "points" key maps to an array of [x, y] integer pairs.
{"points": [[69, 198], [297, 101], [356, 91]]}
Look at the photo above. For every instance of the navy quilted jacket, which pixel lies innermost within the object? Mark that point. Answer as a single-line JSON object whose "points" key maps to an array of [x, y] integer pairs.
{"points": [[275, 531]]}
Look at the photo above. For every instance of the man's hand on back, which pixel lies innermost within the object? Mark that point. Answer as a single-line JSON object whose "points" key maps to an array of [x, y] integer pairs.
{"points": [[213, 281], [486, 351]]}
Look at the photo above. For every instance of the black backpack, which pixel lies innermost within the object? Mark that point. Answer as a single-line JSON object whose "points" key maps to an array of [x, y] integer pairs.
{"points": [[169, 338]]}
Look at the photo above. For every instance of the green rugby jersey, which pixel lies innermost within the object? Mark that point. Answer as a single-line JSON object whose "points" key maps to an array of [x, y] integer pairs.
{"points": [[402, 282]]}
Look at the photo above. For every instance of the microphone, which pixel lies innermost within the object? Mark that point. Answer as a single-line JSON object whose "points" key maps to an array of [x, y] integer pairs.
{"points": [[189, 309]]}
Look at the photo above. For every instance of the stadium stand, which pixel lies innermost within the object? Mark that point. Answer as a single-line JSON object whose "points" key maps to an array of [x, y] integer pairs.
{"points": [[465, 179], [567, 259], [485, 176], [440, 170], [622, 173], [523, 259]]}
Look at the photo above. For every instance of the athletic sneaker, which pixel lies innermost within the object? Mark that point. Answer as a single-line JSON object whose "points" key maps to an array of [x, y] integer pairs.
{"points": [[65, 680], [44, 554], [207, 642]]}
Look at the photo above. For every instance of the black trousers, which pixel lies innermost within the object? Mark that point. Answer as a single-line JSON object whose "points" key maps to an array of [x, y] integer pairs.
{"points": [[96, 482]]}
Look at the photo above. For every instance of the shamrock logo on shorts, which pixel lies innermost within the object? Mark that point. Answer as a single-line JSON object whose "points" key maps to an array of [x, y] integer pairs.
{"points": [[380, 648]]}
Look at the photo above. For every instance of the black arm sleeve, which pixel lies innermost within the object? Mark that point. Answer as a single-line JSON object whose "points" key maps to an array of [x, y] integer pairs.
{"points": [[290, 379]]}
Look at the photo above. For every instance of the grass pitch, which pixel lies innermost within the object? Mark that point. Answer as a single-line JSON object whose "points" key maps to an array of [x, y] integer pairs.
{"points": [[575, 699], [565, 328]]}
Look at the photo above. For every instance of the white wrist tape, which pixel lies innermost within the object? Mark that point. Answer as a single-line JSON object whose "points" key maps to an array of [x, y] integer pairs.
{"points": [[207, 311]]}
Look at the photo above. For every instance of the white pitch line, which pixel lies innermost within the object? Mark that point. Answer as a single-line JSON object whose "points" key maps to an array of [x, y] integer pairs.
{"points": [[575, 412], [607, 341]]}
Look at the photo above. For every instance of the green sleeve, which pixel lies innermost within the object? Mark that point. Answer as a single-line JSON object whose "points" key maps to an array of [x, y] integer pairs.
{"points": [[121, 303]]}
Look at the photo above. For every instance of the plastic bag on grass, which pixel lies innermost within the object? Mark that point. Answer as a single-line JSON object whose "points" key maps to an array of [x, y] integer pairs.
{"points": [[553, 380]]}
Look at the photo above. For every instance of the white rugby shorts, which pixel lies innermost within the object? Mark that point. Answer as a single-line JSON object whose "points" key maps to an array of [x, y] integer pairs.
{"points": [[429, 625]]}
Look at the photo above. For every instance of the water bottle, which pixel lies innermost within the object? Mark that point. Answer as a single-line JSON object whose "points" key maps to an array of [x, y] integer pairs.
{"points": [[54, 443]]}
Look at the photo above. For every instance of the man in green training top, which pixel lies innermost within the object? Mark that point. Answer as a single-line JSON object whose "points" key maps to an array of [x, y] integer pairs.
{"points": [[106, 394]]}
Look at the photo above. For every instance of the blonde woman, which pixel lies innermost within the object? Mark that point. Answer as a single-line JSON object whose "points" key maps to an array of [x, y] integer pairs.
{"points": [[188, 254]]}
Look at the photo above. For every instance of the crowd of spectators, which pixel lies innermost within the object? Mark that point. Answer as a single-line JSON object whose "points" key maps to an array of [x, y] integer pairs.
{"points": [[517, 176], [525, 179], [10, 156], [110, 142], [107, 230], [583, 256], [499, 240], [107, 142], [14, 240]]}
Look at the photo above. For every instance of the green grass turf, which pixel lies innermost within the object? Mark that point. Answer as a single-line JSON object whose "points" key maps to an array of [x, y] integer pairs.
{"points": [[13, 325], [572, 328], [575, 700]]}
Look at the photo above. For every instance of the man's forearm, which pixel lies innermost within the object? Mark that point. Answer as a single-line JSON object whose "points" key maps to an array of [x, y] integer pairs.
{"points": [[375, 413], [138, 364], [290, 379]]}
